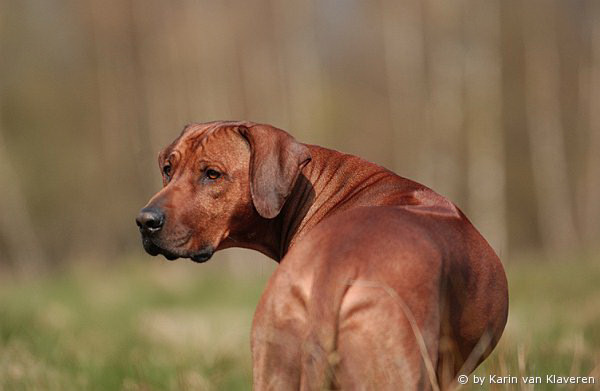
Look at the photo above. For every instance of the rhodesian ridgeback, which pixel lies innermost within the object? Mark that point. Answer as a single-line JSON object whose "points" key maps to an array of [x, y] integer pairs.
{"points": [[383, 284]]}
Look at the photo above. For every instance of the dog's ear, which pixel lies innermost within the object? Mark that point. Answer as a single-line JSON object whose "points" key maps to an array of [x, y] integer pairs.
{"points": [[276, 159]]}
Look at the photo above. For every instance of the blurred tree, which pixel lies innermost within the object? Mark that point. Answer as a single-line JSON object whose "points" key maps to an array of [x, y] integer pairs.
{"points": [[591, 189], [491, 103], [544, 123], [483, 103], [445, 104], [296, 43], [17, 231], [404, 55]]}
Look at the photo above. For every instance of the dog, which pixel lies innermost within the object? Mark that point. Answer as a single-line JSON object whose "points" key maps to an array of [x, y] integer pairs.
{"points": [[382, 283]]}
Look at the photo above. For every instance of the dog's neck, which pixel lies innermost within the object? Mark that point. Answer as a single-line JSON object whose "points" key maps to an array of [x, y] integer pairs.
{"points": [[325, 184]]}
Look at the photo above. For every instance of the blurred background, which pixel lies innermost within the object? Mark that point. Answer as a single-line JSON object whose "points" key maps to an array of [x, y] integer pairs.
{"points": [[494, 104]]}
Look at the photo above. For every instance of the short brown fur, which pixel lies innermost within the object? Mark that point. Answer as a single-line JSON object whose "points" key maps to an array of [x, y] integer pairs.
{"points": [[380, 278]]}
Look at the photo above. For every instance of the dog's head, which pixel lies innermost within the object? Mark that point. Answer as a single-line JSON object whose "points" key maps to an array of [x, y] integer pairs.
{"points": [[218, 178]]}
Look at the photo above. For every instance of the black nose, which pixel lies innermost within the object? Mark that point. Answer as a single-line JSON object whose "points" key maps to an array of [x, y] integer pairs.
{"points": [[150, 220]]}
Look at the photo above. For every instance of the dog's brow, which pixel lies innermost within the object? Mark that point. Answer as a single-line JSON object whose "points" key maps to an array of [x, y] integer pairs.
{"points": [[198, 138]]}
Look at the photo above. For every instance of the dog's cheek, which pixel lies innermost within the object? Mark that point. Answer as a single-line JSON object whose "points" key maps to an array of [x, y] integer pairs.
{"points": [[218, 192]]}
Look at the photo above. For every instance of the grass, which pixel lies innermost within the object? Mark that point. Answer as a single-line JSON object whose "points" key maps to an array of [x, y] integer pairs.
{"points": [[553, 326], [135, 326], [149, 325]]}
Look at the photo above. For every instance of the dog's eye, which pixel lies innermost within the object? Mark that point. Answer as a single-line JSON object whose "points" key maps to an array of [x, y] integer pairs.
{"points": [[167, 170], [213, 174]]}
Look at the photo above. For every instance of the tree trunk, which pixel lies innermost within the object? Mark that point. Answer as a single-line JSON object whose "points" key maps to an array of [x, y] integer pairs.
{"points": [[485, 144], [591, 196], [16, 227], [404, 57], [446, 90], [542, 78]]}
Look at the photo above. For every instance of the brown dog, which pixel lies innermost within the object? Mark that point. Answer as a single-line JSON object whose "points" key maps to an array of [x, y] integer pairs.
{"points": [[383, 284]]}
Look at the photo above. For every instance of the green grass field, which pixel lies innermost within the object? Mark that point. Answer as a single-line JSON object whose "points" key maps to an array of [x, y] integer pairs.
{"points": [[553, 326], [151, 325]]}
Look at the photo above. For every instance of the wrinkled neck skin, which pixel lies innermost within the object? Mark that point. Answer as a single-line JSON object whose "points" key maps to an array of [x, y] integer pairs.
{"points": [[330, 183]]}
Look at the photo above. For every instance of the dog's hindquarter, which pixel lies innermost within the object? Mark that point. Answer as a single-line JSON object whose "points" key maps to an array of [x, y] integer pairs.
{"points": [[364, 281], [362, 297]]}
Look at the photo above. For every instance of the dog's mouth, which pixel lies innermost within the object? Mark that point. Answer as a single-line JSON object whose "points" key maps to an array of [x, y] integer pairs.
{"points": [[154, 250], [202, 256]]}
